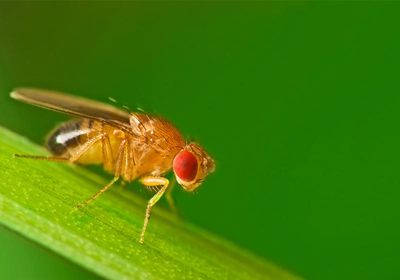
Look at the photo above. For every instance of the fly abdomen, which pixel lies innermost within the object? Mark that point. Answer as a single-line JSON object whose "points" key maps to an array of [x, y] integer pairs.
{"points": [[68, 136]]}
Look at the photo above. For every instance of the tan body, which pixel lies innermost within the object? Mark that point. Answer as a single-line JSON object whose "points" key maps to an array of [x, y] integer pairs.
{"points": [[150, 151]]}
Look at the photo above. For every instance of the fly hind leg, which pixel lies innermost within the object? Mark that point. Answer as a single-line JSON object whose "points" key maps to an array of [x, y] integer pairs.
{"points": [[119, 166], [48, 158], [71, 158]]}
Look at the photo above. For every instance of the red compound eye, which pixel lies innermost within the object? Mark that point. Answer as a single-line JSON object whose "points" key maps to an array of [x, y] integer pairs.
{"points": [[185, 166]]}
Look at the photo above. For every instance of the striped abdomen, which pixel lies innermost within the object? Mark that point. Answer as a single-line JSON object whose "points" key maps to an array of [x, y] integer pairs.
{"points": [[80, 141], [125, 154], [68, 135]]}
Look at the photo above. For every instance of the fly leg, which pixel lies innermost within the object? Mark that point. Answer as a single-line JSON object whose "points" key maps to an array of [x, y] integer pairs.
{"points": [[169, 197], [152, 181], [105, 188], [71, 158], [119, 165], [108, 158], [85, 147], [48, 158]]}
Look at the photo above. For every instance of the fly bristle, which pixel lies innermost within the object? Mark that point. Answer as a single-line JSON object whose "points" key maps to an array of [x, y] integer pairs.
{"points": [[154, 188]]}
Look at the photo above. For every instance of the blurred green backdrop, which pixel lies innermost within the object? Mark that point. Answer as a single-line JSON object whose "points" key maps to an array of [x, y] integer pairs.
{"points": [[298, 102]]}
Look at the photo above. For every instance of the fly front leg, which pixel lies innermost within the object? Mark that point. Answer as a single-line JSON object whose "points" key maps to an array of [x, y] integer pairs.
{"points": [[169, 197], [152, 181]]}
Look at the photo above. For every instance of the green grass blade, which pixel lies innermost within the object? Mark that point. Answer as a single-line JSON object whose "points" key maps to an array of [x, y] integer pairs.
{"points": [[37, 199]]}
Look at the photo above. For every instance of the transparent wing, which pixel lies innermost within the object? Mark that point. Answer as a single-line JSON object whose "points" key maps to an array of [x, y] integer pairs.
{"points": [[72, 105]]}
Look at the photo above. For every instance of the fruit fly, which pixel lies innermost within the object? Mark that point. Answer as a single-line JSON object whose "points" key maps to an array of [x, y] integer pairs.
{"points": [[130, 145]]}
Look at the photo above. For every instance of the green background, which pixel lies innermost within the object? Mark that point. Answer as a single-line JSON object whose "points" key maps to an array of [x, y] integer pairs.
{"points": [[297, 102]]}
